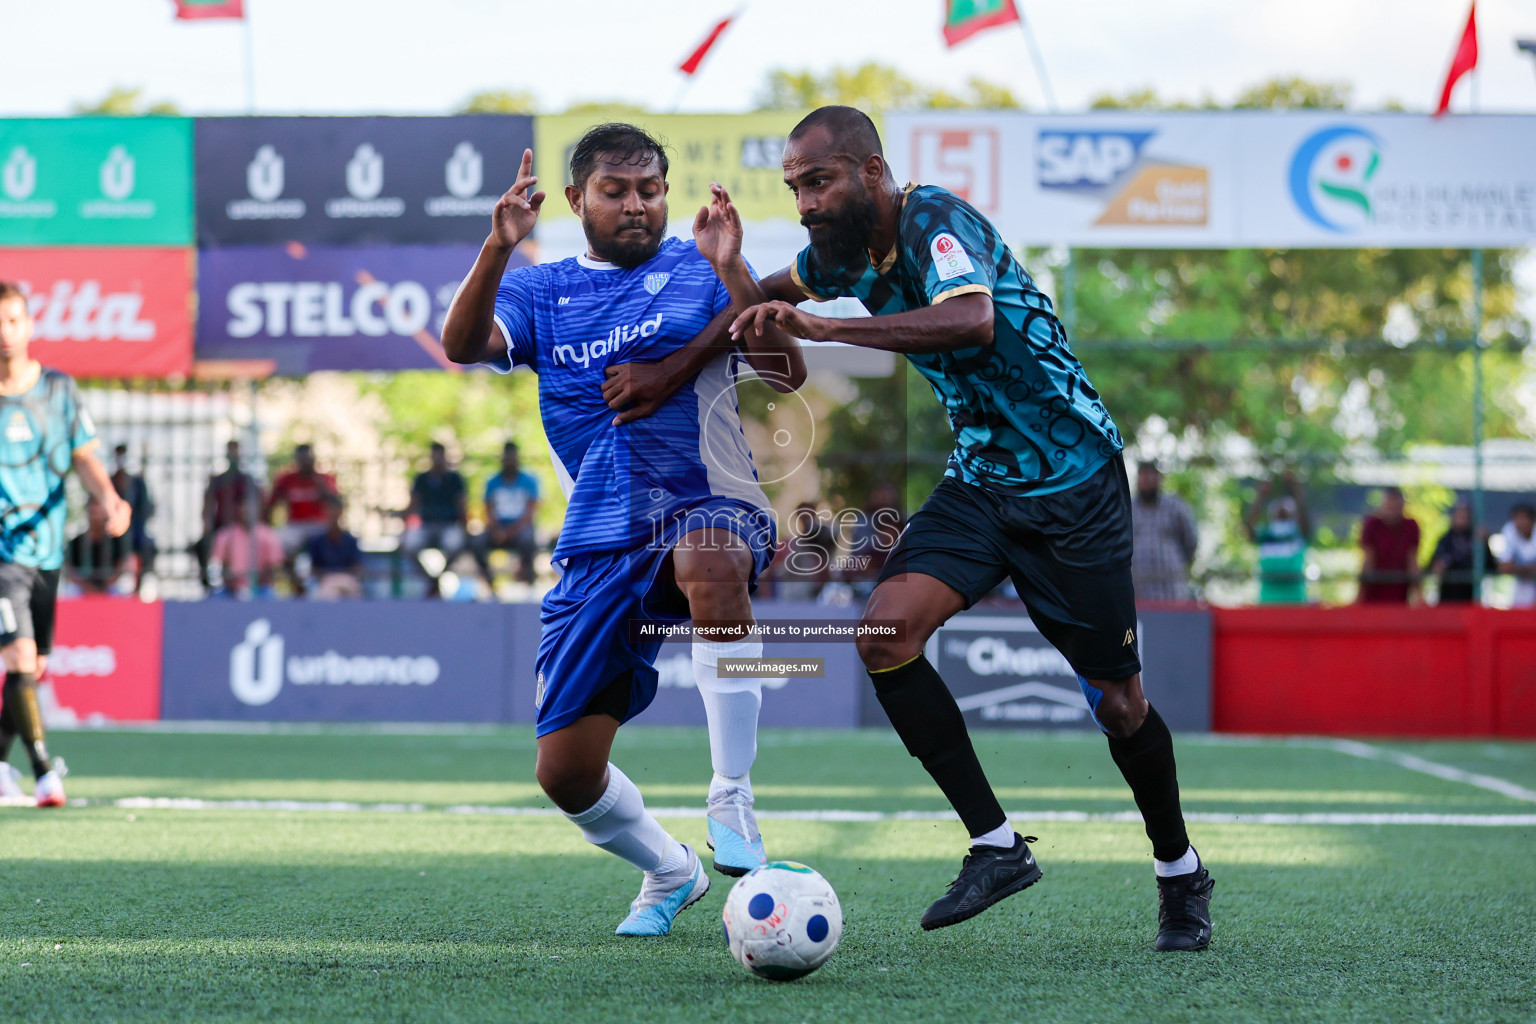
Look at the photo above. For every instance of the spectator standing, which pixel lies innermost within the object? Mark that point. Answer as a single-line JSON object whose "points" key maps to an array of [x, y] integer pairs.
{"points": [[132, 489], [335, 560], [225, 500], [440, 510], [1452, 561], [1389, 542], [1163, 538], [243, 545], [95, 560], [511, 500], [1519, 558], [1282, 529], [872, 537]]}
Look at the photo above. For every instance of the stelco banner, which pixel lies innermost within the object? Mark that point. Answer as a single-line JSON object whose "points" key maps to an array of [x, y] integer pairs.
{"points": [[1231, 180], [743, 152], [107, 312], [327, 308], [96, 181], [347, 180]]}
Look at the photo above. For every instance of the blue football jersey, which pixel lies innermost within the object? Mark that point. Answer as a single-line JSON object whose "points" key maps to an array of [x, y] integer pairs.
{"points": [[569, 321], [1026, 419], [40, 431]]}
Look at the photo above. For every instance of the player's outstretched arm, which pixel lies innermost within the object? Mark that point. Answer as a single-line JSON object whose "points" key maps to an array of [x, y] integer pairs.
{"points": [[717, 229], [964, 321], [469, 332], [98, 484], [636, 390]]}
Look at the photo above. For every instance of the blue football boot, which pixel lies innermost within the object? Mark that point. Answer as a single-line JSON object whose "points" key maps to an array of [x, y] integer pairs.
{"points": [[661, 899]]}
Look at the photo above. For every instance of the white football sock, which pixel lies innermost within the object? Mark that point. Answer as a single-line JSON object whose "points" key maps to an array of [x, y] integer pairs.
{"points": [[620, 824], [1184, 865], [1001, 836], [731, 705]]}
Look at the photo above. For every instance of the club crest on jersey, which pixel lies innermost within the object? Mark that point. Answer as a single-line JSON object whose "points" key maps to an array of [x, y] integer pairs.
{"points": [[656, 282], [19, 430]]}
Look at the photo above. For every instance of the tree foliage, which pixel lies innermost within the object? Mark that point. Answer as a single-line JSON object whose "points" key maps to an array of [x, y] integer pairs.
{"points": [[501, 101], [122, 101]]}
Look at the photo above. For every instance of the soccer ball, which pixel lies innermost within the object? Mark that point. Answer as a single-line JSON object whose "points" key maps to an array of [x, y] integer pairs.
{"points": [[782, 920]]}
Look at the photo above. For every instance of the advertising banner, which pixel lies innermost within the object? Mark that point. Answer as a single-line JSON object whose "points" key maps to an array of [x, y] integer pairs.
{"points": [[1004, 674], [743, 152], [363, 662], [105, 664], [96, 181], [107, 312], [314, 308], [352, 180], [1323, 179]]}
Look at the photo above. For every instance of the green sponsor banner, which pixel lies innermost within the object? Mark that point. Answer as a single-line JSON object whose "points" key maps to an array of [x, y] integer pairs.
{"points": [[743, 152], [96, 181]]}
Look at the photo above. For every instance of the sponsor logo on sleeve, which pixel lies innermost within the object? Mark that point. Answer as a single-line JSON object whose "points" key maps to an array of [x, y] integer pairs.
{"points": [[950, 259]]}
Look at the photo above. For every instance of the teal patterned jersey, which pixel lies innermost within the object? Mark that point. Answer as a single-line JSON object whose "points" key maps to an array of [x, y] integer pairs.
{"points": [[41, 429], [1026, 419]]}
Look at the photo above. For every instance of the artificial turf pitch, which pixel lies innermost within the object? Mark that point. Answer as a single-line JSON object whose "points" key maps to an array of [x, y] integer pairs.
{"points": [[244, 907]]}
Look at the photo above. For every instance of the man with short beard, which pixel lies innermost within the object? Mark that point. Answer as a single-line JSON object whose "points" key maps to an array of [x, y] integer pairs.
{"points": [[1035, 491], [665, 522]]}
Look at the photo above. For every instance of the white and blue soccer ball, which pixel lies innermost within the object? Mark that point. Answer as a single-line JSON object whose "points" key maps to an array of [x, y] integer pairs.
{"points": [[782, 920]]}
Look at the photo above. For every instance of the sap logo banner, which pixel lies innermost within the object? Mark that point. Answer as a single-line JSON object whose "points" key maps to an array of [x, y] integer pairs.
{"points": [[314, 308], [354, 180], [1004, 673], [386, 661], [258, 668], [1115, 169]]}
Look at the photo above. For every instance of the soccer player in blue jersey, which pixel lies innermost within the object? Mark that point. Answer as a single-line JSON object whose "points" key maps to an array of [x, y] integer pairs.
{"points": [[665, 519], [1035, 491], [44, 433]]}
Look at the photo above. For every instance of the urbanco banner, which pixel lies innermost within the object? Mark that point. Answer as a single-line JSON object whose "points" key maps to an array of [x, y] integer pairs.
{"points": [[1315, 179], [354, 180], [107, 312], [96, 181], [322, 308]]}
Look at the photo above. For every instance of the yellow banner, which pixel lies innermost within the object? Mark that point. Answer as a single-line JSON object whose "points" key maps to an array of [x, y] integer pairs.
{"points": [[743, 152]]}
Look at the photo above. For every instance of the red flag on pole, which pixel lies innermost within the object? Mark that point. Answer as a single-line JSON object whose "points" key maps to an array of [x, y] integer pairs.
{"points": [[696, 58], [193, 10], [964, 18], [1464, 61]]}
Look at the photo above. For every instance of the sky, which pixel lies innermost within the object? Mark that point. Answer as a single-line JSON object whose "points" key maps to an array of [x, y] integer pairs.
{"points": [[428, 56]]}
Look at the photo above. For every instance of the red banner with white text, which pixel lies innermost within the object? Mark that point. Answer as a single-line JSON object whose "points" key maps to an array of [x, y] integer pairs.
{"points": [[105, 664]]}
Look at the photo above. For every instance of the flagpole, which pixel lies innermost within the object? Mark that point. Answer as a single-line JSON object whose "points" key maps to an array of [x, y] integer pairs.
{"points": [[677, 100], [1037, 58], [250, 61]]}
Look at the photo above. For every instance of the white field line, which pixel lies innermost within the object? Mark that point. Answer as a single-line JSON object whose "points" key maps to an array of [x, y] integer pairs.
{"points": [[343, 806], [1439, 771]]}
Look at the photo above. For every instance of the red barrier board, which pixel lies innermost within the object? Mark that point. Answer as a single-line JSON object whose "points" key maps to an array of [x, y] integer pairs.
{"points": [[107, 312], [1375, 671], [106, 661]]}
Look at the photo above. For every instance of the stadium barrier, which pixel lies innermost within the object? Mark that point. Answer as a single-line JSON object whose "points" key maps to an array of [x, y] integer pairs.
{"points": [[1375, 671]]}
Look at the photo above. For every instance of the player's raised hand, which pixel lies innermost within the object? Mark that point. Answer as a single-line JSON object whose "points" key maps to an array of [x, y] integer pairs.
{"points": [[788, 318], [517, 211], [717, 229]]}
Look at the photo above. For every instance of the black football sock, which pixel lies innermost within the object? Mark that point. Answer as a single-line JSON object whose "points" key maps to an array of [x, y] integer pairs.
{"points": [[8, 728], [1145, 759], [21, 703], [929, 722]]}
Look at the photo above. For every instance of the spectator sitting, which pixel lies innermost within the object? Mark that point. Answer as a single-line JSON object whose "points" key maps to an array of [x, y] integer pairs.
{"points": [[1163, 539], [1452, 561], [440, 504], [132, 489], [1519, 558], [1389, 540], [511, 499], [224, 500], [335, 561], [237, 545], [95, 561], [303, 492], [1282, 536]]}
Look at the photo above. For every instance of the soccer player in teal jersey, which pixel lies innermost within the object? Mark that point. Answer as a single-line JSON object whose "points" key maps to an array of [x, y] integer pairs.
{"points": [[1035, 491], [44, 433]]}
